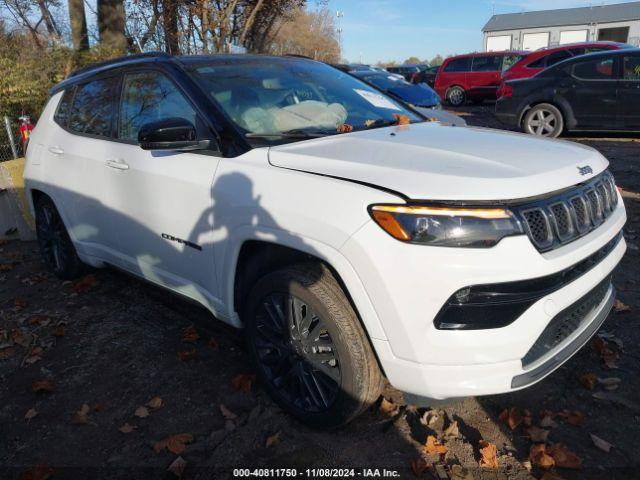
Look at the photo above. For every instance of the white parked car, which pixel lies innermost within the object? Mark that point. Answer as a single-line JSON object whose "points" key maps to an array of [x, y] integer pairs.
{"points": [[350, 237]]}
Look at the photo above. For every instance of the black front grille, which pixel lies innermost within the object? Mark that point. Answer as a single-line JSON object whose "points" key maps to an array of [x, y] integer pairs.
{"points": [[566, 322], [562, 218]]}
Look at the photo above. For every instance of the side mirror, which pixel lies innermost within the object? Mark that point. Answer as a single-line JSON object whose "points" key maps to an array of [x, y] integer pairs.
{"points": [[170, 134]]}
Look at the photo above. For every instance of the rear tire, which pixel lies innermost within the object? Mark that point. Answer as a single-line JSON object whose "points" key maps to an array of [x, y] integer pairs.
{"points": [[456, 96], [309, 348], [543, 120], [56, 248]]}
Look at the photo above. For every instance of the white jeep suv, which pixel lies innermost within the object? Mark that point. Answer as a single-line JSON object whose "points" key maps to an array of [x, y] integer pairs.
{"points": [[352, 238]]}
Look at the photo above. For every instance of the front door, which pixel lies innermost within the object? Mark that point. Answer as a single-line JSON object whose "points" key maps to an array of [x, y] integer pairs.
{"points": [[164, 198], [629, 92], [592, 92]]}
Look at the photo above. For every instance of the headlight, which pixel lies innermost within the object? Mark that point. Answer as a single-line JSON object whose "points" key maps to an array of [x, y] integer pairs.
{"points": [[446, 226]]}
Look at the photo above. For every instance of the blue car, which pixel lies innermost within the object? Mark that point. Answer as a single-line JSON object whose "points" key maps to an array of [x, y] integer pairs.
{"points": [[419, 95]]}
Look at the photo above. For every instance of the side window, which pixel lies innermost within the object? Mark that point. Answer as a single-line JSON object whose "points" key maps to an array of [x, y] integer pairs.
{"points": [[557, 57], [148, 97], [92, 110], [509, 61], [491, 63], [631, 68], [459, 65], [601, 69], [61, 116]]}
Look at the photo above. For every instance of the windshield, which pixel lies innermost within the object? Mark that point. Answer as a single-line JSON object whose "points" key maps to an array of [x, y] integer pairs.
{"points": [[385, 82], [276, 99]]}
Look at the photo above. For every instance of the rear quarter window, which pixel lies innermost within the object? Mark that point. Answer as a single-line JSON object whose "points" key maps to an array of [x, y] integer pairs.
{"points": [[61, 117], [458, 65], [489, 63]]}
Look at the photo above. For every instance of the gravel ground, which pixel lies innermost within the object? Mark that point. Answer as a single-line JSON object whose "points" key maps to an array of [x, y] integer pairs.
{"points": [[99, 349]]}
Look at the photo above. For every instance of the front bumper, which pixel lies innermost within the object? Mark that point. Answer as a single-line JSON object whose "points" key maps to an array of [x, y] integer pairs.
{"points": [[408, 284]]}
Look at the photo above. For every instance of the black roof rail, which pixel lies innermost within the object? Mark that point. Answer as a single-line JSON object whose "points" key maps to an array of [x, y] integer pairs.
{"points": [[297, 55], [114, 61]]}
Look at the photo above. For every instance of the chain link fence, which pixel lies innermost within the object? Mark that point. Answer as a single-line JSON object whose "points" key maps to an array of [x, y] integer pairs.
{"points": [[10, 149]]}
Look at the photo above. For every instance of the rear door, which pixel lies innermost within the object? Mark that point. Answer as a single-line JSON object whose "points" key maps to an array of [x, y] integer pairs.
{"points": [[592, 92], [163, 199], [484, 79], [629, 92]]}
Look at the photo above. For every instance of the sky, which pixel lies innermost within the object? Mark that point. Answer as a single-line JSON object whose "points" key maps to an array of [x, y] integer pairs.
{"points": [[385, 30]]}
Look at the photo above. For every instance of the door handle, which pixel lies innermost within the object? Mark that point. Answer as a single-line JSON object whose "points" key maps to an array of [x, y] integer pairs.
{"points": [[56, 150], [117, 163]]}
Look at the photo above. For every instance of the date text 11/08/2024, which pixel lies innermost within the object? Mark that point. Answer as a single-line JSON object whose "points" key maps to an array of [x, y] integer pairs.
{"points": [[316, 473]]}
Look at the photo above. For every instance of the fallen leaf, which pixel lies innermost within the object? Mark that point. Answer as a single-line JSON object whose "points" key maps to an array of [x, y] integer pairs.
{"points": [[401, 119], [527, 418], [488, 455], [213, 343], [187, 355], [512, 417], [177, 466], [452, 430], [39, 320], [387, 408], [243, 382], [155, 403], [126, 428], [344, 128], [190, 335], [610, 358], [85, 284], [419, 466], [589, 380], [6, 353], [39, 472], [537, 434], [31, 413], [573, 417], [141, 412], [610, 383], [433, 446], [20, 338], [272, 439], [619, 307], [539, 456], [563, 457], [547, 421], [600, 443], [226, 413], [45, 385], [58, 331], [98, 407], [80, 417], [176, 444], [5, 267], [429, 418], [19, 303]]}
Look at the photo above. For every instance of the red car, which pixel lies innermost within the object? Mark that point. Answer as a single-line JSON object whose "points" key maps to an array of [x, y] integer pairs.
{"points": [[475, 76], [540, 59]]}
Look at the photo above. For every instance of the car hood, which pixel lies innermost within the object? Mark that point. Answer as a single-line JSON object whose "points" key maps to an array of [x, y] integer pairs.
{"points": [[431, 161]]}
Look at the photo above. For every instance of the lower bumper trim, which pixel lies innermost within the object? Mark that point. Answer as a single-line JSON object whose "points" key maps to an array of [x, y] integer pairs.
{"points": [[563, 355]]}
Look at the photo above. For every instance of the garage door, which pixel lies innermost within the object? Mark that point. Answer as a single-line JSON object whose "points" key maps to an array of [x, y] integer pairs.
{"points": [[499, 43], [534, 41], [573, 36]]}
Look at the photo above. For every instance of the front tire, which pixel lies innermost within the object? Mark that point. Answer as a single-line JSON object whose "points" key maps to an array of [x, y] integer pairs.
{"points": [[56, 248], [544, 120], [309, 348], [456, 96]]}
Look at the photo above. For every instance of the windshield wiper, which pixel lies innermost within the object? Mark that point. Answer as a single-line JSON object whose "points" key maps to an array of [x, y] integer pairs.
{"points": [[300, 133]]}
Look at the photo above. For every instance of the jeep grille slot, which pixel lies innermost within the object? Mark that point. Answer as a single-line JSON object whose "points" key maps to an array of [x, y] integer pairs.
{"points": [[560, 219]]}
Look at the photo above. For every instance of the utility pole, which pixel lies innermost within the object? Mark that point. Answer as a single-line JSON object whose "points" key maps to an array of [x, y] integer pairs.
{"points": [[339, 15]]}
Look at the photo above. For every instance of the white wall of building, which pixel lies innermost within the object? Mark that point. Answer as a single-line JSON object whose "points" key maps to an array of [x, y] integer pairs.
{"points": [[518, 36]]}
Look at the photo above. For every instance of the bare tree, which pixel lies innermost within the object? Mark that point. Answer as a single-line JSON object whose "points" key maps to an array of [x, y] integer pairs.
{"points": [[111, 24], [78, 22]]}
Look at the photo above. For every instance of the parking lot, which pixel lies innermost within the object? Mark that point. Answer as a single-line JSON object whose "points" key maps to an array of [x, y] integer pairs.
{"points": [[103, 375]]}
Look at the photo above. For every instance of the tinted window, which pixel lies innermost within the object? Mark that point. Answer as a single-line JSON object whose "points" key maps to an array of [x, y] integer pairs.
{"points": [[62, 113], [557, 57], [601, 69], [92, 111], [509, 60], [487, 64], [631, 68], [459, 65], [149, 97]]}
